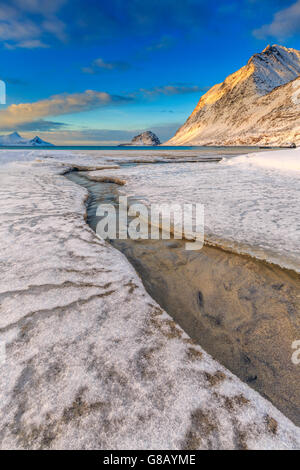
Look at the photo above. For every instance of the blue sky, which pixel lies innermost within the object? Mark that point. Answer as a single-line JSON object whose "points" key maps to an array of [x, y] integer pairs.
{"points": [[86, 71]]}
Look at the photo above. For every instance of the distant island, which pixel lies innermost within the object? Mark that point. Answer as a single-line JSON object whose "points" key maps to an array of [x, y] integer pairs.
{"points": [[145, 138], [14, 139]]}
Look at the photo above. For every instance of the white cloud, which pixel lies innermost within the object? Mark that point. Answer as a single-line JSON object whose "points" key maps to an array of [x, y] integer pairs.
{"points": [[12, 29], [40, 6], [169, 90], [164, 43], [99, 64], [55, 27], [17, 28], [30, 44], [57, 105], [285, 23]]}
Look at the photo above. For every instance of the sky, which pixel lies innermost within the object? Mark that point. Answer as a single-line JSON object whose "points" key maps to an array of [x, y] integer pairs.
{"points": [[87, 72]]}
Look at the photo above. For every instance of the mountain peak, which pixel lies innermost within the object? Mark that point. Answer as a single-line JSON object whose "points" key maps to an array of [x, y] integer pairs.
{"points": [[274, 48], [242, 109], [37, 139], [274, 66], [14, 139], [267, 48]]}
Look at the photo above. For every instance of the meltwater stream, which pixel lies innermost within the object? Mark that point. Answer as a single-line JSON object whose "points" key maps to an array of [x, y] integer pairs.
{"points": [[242, 311]]}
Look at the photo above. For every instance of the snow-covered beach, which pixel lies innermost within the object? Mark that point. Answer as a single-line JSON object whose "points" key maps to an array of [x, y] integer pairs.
{"points": [[91, 361], [251, 202]]}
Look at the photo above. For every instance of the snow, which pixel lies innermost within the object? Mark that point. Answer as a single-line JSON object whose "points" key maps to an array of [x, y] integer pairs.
{"points": [[286, 160], [92, 362], [256, 105], [96, 159], [16, 155], [275, 66], [12, 139], [15, 139], [250, 206]]}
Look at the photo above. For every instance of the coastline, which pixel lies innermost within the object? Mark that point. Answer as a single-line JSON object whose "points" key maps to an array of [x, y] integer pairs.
{"points": [[149, 228], [248, 210], [80, 299]]}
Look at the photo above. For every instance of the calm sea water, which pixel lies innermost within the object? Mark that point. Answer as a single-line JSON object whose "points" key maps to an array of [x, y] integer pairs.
{"points": [[140, 147]]}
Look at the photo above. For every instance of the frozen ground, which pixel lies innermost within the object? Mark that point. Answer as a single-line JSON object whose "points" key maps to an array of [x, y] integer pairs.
{"points": [[288, 161], [90, 360], [118, 155], [251, 202]]}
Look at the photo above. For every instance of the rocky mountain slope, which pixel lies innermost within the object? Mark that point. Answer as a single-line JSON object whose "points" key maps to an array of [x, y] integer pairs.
{"points": [[257, 105], [15, 139], [146, 138]]}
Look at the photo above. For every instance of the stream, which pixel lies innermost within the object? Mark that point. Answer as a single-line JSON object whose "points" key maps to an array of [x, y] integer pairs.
{"points": [[242, 311]]}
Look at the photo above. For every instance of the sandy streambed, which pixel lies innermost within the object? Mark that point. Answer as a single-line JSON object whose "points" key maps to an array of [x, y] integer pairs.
{"points": [[244, 312]]}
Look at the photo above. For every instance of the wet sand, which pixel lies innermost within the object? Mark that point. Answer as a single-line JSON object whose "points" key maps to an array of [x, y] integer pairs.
{"points": [[244, 312]]}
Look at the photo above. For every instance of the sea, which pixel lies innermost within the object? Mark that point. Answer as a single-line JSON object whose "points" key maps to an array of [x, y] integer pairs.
{"points": [[210, 149]]}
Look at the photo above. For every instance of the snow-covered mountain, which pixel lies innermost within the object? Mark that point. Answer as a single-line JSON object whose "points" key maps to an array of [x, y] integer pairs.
{"points": [[15, 139], [257, 105], [38, 141]]}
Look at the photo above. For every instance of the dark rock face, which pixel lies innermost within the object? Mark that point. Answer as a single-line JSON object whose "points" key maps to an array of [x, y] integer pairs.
{"points": [[146, 138], [38, 141]]}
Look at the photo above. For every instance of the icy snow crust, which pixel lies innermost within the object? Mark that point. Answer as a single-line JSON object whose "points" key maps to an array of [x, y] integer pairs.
{"points": [[251, 202], [92, 362], [285, 160]]}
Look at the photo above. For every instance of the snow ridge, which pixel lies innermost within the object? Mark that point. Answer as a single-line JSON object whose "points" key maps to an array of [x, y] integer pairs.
{"points": [[253, 106], [15, 139], [275, 66]]}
